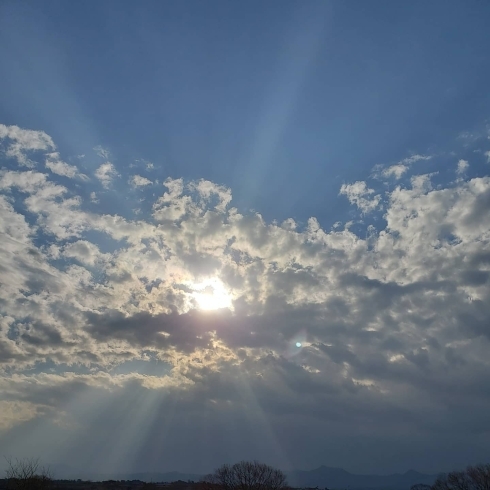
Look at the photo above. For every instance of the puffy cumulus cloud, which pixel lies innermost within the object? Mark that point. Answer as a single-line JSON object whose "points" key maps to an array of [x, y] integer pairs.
{"points": [[172, 205], [29, 181], [139, 181], [359, 194], [329, 335], [19, 142], [207, 190], [106, 174], [84, 252]]}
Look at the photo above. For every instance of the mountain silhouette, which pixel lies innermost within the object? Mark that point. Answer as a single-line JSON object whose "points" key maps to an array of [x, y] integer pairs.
{"points": [[332, 478], [63, 472], [338, 478]]}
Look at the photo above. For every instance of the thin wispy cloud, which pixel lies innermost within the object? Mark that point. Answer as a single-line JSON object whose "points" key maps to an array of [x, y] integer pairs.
{"points": [[59, 167], [397, 170], [102, 152]]}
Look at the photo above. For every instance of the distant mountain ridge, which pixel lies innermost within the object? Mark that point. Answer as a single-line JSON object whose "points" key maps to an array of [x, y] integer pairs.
{"points": [[338, 478], [332, 478], [64, 472], [171, 476]]}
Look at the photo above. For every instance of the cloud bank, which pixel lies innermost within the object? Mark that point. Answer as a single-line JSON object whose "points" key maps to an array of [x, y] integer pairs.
{"points": [[329, 335]]}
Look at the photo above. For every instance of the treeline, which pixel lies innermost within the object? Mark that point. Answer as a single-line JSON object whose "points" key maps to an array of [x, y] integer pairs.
{"points": [[472, 478], [28, 474]]}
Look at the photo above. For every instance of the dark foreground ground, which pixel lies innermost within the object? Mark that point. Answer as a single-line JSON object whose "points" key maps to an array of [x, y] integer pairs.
{"points": [[115, 485]]}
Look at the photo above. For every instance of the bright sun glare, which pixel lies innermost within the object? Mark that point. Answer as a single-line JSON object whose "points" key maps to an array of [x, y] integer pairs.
{"points": [[211, 295]]}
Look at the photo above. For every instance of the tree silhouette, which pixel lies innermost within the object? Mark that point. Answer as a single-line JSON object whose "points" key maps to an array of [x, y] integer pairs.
{"points": [[420, 486], [27, 474], [245, 475], [473, 478]]}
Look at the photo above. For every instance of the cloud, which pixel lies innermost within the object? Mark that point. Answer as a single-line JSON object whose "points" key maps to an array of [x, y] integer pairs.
{"points": [[415, 158], [102, 152], [59, 167], [16, 412], [487, 154], [106, 173], [29, 181], [23, 141], [138, 181], [359, 194], [83, 251], [331, 335], [463, 165], [207, 190], [397, 170]]}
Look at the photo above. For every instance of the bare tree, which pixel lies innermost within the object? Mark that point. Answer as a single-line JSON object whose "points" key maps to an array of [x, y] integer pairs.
{"points": [[27, 474], [245, 475], [473, 478], [440, 483], [420, 486], [479, 476]]}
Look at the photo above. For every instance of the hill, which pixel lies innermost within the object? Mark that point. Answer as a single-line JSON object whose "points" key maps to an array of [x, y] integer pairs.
{"points": [[335, 478]]}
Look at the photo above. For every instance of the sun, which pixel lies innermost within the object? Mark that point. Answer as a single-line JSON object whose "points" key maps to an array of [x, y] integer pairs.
{"points": [[211, 294]]}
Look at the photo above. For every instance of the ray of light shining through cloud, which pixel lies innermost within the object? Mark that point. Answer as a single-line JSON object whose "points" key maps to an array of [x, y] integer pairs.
{"points": [[245, 231]]}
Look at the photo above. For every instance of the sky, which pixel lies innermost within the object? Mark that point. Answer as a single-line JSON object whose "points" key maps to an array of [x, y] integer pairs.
{"points": [[245, 230]]}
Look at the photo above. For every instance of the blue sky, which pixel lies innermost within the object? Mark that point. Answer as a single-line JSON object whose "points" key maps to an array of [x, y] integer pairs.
{"points": [[263, 220], [282, 104]]}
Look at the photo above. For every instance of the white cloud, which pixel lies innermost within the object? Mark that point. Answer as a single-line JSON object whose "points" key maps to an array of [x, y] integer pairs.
{"points": [[59, 167], [139, 181], [487, 154], [106, 173], [83, 251], [463, 165], [28, 181], [172, 205], [207, 190], [396, 171], [359, 194], [399, 169], [415, 158], [23, 141]]}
